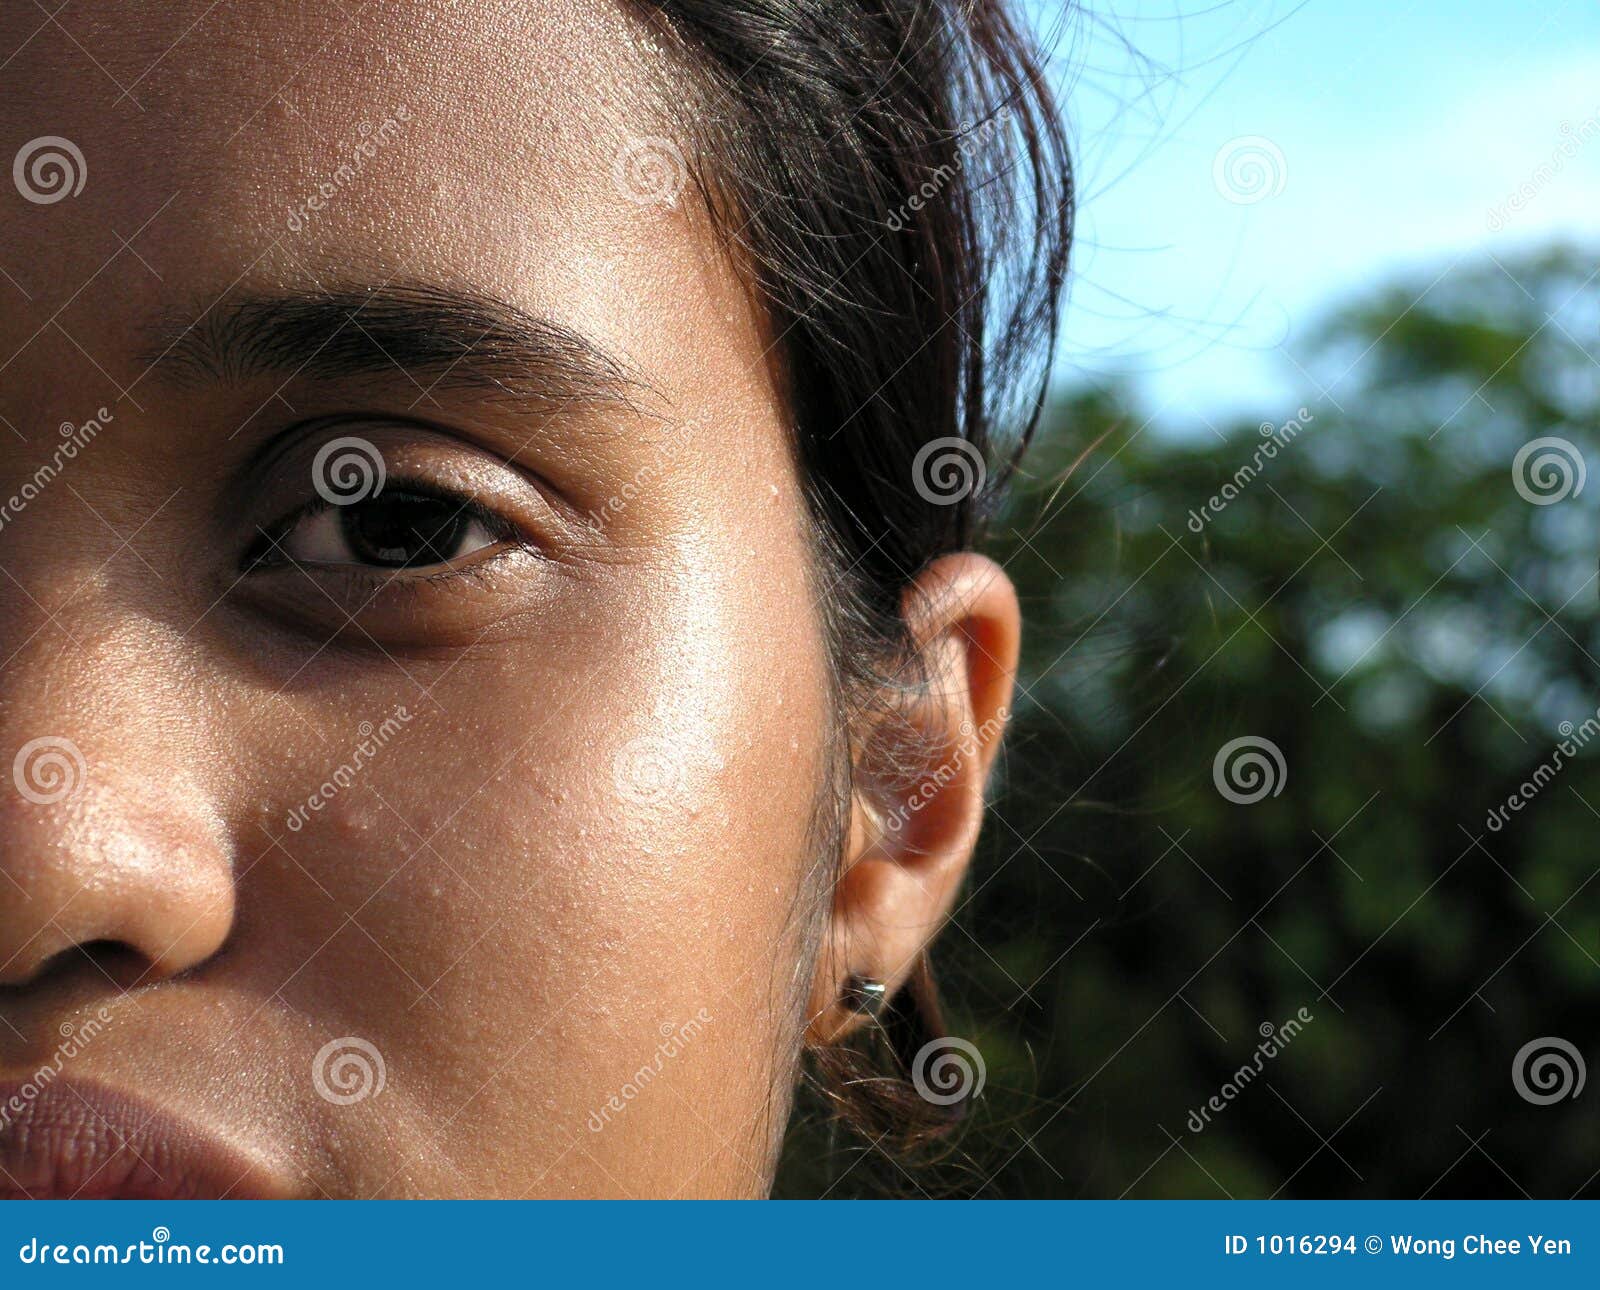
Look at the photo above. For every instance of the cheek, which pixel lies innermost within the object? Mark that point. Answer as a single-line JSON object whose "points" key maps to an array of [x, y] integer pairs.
{"points": [[576, 847]]}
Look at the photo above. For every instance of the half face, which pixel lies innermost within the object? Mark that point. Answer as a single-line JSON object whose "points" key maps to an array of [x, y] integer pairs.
{"points": [[410, 655]]}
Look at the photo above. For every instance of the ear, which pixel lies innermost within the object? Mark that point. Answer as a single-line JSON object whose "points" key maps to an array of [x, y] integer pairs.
{"points": [[920, 775]]}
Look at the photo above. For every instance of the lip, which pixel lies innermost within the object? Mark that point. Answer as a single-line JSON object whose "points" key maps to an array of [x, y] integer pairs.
{"points": [[76, 1139]]}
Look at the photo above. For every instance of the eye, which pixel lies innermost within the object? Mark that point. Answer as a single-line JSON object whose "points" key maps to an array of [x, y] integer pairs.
{"points": [[400, 528]]}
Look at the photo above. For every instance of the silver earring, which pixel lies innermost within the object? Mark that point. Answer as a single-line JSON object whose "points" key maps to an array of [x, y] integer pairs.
{"points": [[864, 995]]}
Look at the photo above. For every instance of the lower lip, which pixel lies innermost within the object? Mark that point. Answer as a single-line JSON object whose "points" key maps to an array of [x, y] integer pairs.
{"points": [[77, 1140]]}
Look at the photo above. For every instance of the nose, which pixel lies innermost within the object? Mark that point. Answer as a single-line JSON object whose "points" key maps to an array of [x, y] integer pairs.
{"points": [[108, 836], [91, 855]]}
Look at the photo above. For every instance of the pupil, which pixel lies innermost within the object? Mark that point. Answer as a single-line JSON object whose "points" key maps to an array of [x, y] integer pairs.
{"points": [[404, 529]]}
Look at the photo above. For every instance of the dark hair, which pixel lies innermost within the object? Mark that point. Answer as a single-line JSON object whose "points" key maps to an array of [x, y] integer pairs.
{"points": [[893, 176]]}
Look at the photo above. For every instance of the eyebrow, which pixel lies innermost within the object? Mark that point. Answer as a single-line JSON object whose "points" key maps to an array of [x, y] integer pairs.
{"points": [[442, 337]]}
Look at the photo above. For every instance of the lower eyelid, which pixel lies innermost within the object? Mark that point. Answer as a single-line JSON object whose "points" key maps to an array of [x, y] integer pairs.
{"points": [[475, 568]]}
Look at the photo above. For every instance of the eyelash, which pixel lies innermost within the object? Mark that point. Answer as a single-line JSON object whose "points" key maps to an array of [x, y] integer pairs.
{"points": [[264, 554]]}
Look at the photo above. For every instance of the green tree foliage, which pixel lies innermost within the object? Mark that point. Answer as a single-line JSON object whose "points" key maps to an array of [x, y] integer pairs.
{"points": [[1377, 585]]}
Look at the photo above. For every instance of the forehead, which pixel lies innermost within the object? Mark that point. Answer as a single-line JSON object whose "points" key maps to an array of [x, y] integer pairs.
{"points": [[484, 140]]}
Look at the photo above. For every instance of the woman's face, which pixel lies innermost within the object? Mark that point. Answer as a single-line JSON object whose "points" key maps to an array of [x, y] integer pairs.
{"points": [[448, 837]]}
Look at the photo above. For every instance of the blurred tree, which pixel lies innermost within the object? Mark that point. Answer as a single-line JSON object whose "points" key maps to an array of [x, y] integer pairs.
{"points": [[1391, 594]]}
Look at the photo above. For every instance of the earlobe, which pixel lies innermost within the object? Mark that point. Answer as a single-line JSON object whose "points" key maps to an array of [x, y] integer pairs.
{"points": [[921, 771]]}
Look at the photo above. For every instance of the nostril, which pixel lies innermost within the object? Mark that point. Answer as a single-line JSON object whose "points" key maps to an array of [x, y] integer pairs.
{"points": [[116, 959], [104, 960], [134, 883]]}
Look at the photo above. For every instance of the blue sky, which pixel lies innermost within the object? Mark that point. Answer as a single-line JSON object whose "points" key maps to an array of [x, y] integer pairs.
{"points": [[1388, 135]]}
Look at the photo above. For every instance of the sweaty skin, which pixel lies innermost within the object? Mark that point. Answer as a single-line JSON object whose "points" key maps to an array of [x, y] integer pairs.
{"points": [[489, 880]]}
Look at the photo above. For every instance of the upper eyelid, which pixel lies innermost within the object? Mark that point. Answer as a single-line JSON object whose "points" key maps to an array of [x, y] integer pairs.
{"points": [[285, 443], [402, 485], [285, 463], [276, 463]]}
